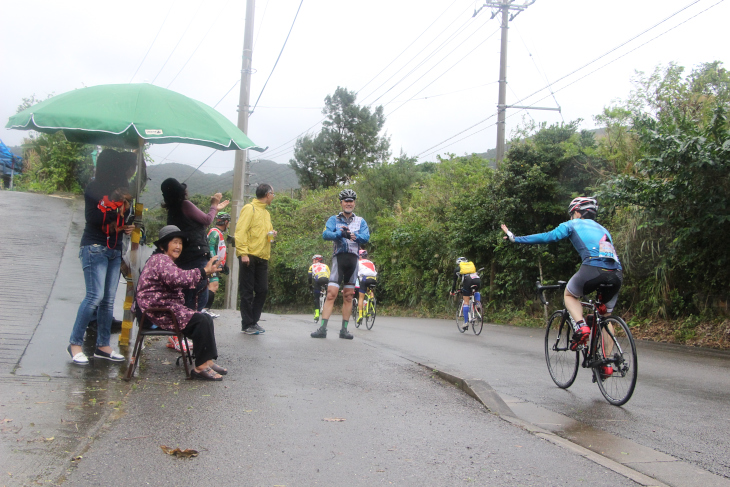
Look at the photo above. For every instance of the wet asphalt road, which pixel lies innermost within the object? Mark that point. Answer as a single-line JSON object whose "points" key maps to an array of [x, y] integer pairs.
{"points": [[275, 420], [681, 405]]}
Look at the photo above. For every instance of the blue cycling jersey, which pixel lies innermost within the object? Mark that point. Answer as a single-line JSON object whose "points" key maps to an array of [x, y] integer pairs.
{"points": [[333, 231], [586, 236]]}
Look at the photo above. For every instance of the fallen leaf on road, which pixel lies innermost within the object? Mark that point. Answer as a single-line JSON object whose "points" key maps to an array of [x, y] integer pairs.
{"points": [[334, 420], [6, 420], [177, 452]]}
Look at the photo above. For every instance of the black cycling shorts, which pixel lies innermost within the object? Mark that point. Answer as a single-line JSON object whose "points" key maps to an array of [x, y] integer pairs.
{"points": [[344, 269], [588, 278], [468, 282], [367, 282], [319, 283]]}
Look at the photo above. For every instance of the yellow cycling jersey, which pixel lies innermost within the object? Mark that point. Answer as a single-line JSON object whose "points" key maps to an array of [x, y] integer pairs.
{"points": [[319, 270]]}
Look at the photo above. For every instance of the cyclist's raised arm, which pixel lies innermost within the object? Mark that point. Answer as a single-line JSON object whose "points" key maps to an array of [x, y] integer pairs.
{"points": [[509, 235], [562, 231]]}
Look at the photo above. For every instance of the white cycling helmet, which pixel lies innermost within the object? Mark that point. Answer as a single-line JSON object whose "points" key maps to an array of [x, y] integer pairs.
{"points": [[459, 260], [583, 203]]}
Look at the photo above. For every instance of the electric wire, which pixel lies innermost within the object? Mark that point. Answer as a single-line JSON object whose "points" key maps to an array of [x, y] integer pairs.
{"points": [[263, 17], [407, 47], [452, 36], [443, 73], [172, 4], [615, 48], [199, 43], [549, 84], [583, 67], [279, 57], [178, 41]]}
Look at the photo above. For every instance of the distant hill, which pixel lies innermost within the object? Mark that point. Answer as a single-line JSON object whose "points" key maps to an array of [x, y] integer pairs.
{"points": [[280, 176]]}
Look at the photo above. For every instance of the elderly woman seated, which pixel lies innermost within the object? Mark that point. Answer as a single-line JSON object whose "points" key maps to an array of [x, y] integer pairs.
{"points": [[161, 285]]}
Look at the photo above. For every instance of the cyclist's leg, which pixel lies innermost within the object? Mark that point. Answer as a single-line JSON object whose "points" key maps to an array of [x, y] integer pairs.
{"points": [[348, 265], [333, 288], [609, 296], [466, 293]]}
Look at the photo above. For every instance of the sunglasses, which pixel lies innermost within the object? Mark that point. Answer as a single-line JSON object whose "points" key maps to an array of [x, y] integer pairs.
{"points": [[348, 200]]}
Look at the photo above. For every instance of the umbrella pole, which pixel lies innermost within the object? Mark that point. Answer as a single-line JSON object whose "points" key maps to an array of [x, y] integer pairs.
{"points": [[128, 318]]}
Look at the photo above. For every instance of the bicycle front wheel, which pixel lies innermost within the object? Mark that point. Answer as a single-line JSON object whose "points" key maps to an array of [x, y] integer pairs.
{"points": [[460, 317], [616, 345], [477, 321], [562, 362], [372, 311]]}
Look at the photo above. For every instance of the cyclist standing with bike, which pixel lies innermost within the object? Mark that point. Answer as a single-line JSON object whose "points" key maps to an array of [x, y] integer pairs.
{"points": [[347, 231], [319, 276], [600, 263], [469, 277], [368, 277]]}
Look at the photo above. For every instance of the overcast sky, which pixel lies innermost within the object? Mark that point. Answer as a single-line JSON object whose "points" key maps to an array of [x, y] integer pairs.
{"points": [[431, 64]]}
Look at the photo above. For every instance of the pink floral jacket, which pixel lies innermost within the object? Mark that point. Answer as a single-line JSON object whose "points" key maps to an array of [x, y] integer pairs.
{"points": [[161, 285]]}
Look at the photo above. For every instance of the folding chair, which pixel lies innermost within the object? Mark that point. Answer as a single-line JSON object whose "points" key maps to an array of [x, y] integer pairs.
{"points": [[142, 332]]}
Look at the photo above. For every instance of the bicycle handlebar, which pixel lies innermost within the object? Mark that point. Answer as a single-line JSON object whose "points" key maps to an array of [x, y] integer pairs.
{"points": [[541, 289]]}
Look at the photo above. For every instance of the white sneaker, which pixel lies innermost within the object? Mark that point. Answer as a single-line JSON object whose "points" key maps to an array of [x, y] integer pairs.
{"points": [[79, 359], [211, 314]]}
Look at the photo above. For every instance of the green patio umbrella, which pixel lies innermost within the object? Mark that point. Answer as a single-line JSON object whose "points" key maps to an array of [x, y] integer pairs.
{"points": [[121, 115], [130, 116]]}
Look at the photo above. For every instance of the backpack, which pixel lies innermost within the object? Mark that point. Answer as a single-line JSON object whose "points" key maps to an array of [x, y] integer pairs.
{"points": [[467, 268]]}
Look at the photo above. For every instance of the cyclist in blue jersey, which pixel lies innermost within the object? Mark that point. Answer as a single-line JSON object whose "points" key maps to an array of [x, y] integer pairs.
{"points": [[600, 263], [347, 231]]}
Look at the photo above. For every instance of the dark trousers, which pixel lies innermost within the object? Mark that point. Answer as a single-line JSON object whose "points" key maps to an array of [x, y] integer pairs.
{"points": [[200, 331], [253, 285], [197, 297]]}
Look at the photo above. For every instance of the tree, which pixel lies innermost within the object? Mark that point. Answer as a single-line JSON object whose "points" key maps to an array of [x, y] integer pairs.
{"points": [[54, 163], [347, 144]]}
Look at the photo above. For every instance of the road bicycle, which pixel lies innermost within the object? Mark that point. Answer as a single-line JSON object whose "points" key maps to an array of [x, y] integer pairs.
{"points": [[476, 312], [369, 309], [613, 348], [322, 299]]}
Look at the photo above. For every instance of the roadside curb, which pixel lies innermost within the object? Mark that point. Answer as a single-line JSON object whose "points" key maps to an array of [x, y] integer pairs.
{"points": [[483, 392]]}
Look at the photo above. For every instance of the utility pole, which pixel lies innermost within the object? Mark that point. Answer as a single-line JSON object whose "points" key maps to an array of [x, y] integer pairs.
{"points": [[240, 169], [503, 7]]}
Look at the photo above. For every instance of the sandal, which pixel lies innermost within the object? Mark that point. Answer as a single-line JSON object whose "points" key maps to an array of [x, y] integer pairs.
{"points": [[206, 374], [219, 369]]}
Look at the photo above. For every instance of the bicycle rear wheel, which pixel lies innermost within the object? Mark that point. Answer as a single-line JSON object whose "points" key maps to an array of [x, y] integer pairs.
{"points": [[477, 321], [617, 345], [562, 362], [371, 312], [354, 312], [460, 317]]}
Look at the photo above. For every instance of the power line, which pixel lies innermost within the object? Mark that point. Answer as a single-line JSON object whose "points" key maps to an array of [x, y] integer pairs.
{"points": [[449, 69], [199, 43], [279, 57], [614, 49], [153, 41], [434, 52], [584, 66], [263, 17], [407, 47], [178, 41]]}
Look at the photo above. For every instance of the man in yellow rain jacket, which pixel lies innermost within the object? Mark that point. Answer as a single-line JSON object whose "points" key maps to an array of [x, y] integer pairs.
{"points": [[254, 234]]}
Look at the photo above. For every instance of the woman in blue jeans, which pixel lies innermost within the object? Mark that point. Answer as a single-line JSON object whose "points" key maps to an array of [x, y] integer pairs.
{"points": [[107, 203]]}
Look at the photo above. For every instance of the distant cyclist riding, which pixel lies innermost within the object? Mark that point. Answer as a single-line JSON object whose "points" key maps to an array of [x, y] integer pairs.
{"points": [[470, 284], [600, 263], [347, 231]]}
